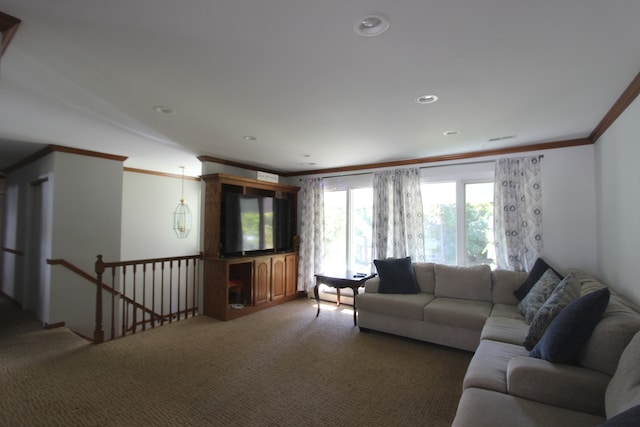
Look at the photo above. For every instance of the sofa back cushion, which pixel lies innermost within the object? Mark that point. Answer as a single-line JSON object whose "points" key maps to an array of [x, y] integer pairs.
{"points": [[472, 283], [609, 338], [504, 283], [623, 391], [619, 323], [426, 276]]}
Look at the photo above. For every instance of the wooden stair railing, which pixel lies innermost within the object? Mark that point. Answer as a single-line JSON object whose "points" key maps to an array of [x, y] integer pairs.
{"points": [[128, 299], [144, 299], [80, 272]]}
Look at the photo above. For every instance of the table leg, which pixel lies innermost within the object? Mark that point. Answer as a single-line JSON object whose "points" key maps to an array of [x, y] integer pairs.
{"points": [[315, 293], [355, 309], [338, 294]]}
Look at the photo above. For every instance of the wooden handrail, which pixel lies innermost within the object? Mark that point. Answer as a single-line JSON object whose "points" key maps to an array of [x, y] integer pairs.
{"points": [[148, 261], [98, 334], [101, 267], [13, 251], [77, 270], [92, 279]]}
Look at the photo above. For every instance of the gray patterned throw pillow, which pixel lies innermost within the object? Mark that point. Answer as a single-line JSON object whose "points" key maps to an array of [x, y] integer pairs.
{"points": [[540, 292], [566, 291]]}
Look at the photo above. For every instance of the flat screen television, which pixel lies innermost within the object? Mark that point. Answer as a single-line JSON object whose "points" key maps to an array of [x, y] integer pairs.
{"points": [[251, 224]]}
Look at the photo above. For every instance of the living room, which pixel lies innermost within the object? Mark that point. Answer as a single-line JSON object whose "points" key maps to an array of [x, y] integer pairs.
{"points": [[590, 194]]}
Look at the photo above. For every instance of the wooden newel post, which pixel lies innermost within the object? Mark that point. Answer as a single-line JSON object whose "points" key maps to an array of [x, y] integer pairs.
{"points": [[98, 333]]}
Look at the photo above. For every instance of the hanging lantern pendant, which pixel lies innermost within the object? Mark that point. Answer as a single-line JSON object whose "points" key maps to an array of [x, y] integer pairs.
{"points": [[182, 215]]}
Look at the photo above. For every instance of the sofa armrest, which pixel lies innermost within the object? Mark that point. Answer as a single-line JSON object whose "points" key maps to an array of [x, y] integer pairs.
{"points": [[567, 386], [372, 285]]}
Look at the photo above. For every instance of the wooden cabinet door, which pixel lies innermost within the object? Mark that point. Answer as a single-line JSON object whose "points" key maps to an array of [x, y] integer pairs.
{"points": [[291, 274], [261, 279], [277, 277]]}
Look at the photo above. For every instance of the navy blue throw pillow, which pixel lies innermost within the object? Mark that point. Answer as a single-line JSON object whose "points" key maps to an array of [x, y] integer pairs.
{"points": [[570, 330], [539, 268], [628, 418], [396, 276]]}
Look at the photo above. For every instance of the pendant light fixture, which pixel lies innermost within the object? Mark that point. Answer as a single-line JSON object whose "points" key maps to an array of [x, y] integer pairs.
{"points": [[182, 215]]}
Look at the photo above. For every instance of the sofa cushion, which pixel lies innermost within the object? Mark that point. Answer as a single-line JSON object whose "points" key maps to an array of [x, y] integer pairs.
{"points": [[460, 313], [568, 386], [504, 283], [570, 330], [623, 391], [538, 294], [405, 306], [488, 367], [562, 295], [396, 276], [504, 329], [484, 408], [426, 276], [506, 310], [472, 283], [539, 268], [619, 323]]}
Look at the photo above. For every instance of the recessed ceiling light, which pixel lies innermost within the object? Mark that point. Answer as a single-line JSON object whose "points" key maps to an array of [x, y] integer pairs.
{"points": [[451, 132], [426, 99], [250, 138], [164, 109], [371, 24], [305, 155], [309, 164]]}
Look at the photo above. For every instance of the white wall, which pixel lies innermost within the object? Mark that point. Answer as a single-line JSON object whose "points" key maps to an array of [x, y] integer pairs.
{"points": [[18, 212], [81, 216], [569, 208], [87, 206], [148, 202], [618, 195]]}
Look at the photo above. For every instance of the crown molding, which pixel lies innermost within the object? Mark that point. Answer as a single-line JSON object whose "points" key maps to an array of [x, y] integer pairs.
{"points": [[62, 149], [8, 27]]}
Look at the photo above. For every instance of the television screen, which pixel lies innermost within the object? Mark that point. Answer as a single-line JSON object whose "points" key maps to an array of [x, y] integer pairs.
{"points": [[249, 223], [283, 234]]}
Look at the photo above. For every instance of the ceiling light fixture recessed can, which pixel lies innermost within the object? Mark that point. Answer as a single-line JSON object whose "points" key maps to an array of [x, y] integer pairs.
{"points": [[451, 133], [426, 99], [250, 137], [371, 24], [164, 109]]}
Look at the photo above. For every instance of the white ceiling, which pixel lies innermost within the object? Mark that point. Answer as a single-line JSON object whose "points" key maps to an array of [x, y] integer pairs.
{"points": [[294, 74]]}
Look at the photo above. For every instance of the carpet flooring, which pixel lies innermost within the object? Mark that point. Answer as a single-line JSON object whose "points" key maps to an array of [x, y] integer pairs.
{"points": [[278, 367]]}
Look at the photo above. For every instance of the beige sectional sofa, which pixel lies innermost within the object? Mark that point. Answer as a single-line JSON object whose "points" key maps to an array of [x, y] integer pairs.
{"points": [[474, 308]]}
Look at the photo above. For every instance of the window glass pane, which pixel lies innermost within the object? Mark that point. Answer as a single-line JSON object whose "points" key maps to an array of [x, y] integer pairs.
{"points": [[440, 222], [479, 224], [360, 242], [335, 230]]}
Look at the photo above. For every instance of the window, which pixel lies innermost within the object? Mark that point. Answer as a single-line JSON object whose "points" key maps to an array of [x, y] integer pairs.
{"points": [[458, 215], [347, 226], [440, 222], [478, 223], [457, 210]]}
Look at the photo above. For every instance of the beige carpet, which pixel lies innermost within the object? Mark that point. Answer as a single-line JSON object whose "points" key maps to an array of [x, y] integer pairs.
{"points": [[279, 367]]}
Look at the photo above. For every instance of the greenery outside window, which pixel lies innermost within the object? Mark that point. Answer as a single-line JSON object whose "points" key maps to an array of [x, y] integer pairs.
{"points": [[458, 213], [347, 231]]}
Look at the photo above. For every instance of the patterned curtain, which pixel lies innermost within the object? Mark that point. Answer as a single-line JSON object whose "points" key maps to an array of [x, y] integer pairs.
{"points": [[311, 233], [518, 213], [397, 215]]}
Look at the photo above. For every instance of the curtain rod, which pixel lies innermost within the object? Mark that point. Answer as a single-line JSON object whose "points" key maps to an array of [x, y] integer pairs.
{"points": [[421, 167]]}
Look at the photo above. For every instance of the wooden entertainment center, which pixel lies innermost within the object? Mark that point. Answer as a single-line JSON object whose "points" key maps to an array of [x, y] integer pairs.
{"points": [[235, 286]]}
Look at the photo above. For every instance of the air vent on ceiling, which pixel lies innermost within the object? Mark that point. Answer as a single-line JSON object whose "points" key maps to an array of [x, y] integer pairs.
{"points": [[502, 138]]}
